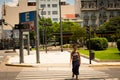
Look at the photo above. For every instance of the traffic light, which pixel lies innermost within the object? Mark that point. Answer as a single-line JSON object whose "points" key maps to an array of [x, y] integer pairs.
{"points": [[88, 29], [32, 28], [18, 26], [22, 26]]}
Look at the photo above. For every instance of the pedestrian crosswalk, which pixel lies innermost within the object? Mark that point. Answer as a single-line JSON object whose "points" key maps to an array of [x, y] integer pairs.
{"points": [[59, 74]]}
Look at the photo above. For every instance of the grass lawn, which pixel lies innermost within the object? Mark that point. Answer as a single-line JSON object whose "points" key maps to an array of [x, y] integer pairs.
{"points": [[109, 54]]}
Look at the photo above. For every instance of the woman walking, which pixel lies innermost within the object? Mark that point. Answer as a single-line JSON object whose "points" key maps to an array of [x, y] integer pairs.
{"points": [[76, 61]]}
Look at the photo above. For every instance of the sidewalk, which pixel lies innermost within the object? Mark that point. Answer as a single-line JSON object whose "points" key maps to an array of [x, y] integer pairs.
{"points": [[56, 58]]}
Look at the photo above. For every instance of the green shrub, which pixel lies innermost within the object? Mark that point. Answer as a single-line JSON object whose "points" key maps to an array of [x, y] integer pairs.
{"points": [[118, 44], [97, 43], [66, 46]]}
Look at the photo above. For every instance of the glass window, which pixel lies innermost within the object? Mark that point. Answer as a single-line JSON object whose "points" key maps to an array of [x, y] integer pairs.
{"points": [[43, 12], [55, 19], [118, 13], [48, 5], [111, 14], [54, 5], [54, 12], [42, 5], [49, 12]]}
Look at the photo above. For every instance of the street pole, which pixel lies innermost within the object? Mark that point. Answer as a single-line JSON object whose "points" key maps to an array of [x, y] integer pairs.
{"points": [[2, 35], [28, 43], [45, 40], [37, 33], [61, 34], [89, 36], [21, 47], [44, 31]]}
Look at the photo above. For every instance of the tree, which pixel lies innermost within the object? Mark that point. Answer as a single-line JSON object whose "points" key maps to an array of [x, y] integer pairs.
{"points": [[79, 33], [67, 26], [45, 29], [112, 26]]}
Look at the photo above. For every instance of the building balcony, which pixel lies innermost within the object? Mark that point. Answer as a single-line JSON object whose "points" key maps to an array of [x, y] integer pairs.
{"points": [[103, 17], [93, 17], [86, 17], [88, 9]]}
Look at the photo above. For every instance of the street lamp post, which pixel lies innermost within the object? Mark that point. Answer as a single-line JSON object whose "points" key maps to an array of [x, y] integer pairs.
{"points": [[43, 28], [61, 34], [37, 32]]}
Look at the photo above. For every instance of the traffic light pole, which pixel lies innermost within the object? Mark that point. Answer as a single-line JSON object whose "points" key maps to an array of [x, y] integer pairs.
{"points": [[89, 44], [89, 47]]}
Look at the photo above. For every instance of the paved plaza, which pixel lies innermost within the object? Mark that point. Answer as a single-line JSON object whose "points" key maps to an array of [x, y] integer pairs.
{"points": [[51, 57]]}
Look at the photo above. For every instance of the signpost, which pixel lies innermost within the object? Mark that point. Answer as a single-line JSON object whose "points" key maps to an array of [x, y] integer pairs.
{"points": [[28, 18]]}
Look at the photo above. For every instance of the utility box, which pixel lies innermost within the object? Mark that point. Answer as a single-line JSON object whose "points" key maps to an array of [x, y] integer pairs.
{"points": [[92, 55]]}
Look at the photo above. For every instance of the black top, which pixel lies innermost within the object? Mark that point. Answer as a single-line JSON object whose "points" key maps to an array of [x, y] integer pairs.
{"points": [[75, 56]]}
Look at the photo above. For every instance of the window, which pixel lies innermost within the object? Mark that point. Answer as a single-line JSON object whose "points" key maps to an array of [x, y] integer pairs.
{"points": [[111, 14], [110, 5], [54, 5], [54, 12], [55, 19], [49, 12], [42, 5], [86, 22], [48, 5], [43, 13], [118, 13], [100, 22]]}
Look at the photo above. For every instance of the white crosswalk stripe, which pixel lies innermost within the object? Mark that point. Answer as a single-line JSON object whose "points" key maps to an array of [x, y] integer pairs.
{"points": [[60, 74]]}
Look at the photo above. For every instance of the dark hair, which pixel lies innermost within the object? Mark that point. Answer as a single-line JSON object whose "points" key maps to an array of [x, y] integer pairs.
{"points": [[74, 45]]}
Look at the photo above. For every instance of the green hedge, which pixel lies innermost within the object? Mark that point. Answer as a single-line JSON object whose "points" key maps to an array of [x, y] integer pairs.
{"points": [[98, 43], [118, 44]]}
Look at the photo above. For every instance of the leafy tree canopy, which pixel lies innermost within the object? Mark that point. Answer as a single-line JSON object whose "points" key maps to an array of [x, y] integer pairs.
{"points": [[112, 25]]}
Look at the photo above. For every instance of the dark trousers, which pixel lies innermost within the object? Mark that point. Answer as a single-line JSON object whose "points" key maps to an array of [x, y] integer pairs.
{"points": [[75, 67]]}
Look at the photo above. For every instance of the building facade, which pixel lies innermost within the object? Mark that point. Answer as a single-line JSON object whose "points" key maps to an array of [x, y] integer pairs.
{"points": [[47, 9], [96, 12], [50, 9], [11, 13], [11, 16]]}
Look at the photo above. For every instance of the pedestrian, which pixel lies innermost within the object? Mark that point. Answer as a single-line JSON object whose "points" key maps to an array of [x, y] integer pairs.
{"points": [[76, 61]]}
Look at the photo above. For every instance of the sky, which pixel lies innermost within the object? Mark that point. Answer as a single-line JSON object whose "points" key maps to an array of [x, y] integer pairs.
{"points": [[14, 2]]}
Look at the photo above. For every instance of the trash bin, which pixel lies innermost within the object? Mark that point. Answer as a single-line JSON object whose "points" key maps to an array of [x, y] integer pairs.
{"points": [[92, 55]]}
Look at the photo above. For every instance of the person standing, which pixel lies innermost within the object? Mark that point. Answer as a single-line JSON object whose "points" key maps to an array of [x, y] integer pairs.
{"points": [[76, 61]]}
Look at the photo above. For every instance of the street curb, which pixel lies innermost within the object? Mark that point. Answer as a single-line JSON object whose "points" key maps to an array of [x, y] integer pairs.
{"points": [[37, 65], [103, 65], [19, 65]]}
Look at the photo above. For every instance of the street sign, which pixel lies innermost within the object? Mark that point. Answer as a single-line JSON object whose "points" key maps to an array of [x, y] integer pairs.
{"points": [[27, 16]]}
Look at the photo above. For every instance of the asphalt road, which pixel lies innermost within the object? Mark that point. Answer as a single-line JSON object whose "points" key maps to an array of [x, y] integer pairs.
{"points": [[58, 73], [62, 72]]}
